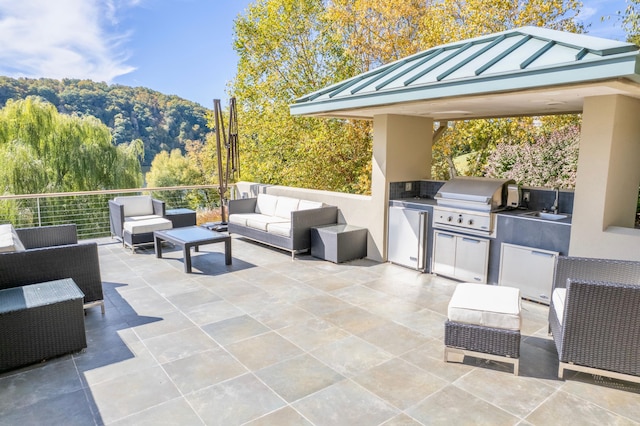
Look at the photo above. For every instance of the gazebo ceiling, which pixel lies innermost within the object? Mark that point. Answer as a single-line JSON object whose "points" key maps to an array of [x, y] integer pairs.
{"points": [[525, 71]]}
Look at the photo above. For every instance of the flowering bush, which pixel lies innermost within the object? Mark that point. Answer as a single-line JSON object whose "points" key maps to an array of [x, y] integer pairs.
{"points": [[550, 160]]}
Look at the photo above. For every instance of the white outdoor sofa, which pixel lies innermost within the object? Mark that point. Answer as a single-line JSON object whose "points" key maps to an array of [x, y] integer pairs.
{"points": [[279, 221]]}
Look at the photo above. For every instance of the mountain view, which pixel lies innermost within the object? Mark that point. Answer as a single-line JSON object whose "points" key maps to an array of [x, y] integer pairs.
{"points": [[162, 122]]}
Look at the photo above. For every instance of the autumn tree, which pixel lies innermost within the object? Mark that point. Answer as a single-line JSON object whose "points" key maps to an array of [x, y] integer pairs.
{"points": [[376, 32], [290, 48], [285, 51], [631, 21], [452, 20]]}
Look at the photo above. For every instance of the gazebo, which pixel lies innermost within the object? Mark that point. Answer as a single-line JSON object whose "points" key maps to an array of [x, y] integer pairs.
{"points": [[525, 71]]}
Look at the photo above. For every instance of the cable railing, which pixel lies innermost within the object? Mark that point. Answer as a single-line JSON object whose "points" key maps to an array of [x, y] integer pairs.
{"points": [[89, 209]]}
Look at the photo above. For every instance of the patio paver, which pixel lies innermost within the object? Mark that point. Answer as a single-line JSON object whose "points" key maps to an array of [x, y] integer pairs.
{"points": [[271, 341]]}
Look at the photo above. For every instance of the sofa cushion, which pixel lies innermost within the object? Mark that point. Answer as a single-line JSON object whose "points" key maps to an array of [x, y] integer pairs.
{"points": [[241, 218], [558, 297], [308, 205], [266, 204], [486, 305], [261, 221], [285, 206], [282, 229], [137, 205], [9, 240], [143, 225]]}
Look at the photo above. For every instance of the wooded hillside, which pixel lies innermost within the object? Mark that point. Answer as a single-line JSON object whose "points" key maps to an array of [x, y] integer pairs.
{"points": [[162, 122]]}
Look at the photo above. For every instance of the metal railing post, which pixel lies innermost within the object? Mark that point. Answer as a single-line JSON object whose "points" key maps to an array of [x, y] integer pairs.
{"points": [[38, 210]]}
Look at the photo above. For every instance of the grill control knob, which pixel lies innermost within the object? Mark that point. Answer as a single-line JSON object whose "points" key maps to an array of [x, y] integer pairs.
{"points": [[470, 222], [460, 219], [450, 219]]}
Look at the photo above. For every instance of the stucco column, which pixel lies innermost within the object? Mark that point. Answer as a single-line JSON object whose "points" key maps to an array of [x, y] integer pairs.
{"points": [[607, 180], [401, 152]]}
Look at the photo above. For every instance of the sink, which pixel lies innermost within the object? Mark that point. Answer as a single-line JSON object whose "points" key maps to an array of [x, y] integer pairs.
{"points": [[545, 215]]}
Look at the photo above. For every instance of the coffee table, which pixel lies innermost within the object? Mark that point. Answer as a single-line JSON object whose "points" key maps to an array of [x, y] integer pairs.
{"points": [[192, 236]]}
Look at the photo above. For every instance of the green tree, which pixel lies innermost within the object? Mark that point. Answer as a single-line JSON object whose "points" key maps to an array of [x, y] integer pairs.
{"points": [[161, 122], [172, 169], [175, 169], [44, 151]]}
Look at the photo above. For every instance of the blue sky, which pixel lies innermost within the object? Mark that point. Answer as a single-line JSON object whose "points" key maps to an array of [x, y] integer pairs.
{"points": [[177, 47]]}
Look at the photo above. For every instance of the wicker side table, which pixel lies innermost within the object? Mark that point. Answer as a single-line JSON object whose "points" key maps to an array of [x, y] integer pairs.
{"points": [[181, 218], [40, 321]]}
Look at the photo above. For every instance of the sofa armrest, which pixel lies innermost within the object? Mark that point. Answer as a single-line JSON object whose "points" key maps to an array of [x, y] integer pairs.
{"points": [[116, 218], [77, 261], [159, 207], [303, 220], [48, 236], [243, 205]]}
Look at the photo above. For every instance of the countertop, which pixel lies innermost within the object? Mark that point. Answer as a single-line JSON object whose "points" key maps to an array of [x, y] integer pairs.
{"points": [[520, 214], [416, 202], [512, 213]]}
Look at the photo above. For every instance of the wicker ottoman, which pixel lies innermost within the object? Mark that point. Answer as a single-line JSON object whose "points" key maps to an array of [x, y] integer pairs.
{"points": [[40, 321], [483, 322]]}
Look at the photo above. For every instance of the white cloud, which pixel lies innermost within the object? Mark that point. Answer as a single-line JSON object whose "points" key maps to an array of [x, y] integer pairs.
{"points": [[62, 39], [601, 18]]}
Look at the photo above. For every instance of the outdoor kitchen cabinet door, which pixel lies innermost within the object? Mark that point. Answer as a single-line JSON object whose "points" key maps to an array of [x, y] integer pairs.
{"points": [[529, 269], [444, 253], [472, 259], [460, 257]]}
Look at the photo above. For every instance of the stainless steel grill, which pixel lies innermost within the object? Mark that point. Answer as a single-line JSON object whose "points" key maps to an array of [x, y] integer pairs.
{"points": [[467, 204]]}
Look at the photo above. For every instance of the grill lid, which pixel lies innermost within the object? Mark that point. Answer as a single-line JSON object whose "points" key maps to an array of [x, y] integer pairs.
{"points": [[475, 193]]}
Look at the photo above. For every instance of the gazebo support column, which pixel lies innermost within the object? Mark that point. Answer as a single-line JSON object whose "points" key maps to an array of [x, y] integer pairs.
{"points": [[607, 181], [401, 152]]}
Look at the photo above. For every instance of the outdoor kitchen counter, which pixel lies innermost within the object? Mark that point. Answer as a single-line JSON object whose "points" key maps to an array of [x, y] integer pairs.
{"points": [[521, 214], [512, 228], [414, 203], [533, 232]]}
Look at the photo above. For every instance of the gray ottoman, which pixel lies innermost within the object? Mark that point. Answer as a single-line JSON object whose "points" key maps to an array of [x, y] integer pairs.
{"points": [[40, 321], [338, 242]]}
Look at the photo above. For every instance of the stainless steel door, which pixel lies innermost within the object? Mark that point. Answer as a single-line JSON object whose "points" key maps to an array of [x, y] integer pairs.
{"points": [[461, 257], [444, 254], [407, 237]]}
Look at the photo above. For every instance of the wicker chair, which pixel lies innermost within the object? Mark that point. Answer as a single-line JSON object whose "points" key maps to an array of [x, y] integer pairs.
{"points": [[593, 317], [133, 219], [53, 253]]}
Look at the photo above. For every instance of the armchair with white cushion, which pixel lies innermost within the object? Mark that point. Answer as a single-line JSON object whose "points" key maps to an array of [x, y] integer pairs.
{"points": [[133, 219]]}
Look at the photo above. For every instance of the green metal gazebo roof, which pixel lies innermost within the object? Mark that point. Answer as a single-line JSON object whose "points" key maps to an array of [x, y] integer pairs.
{"points": [[524, 71]]}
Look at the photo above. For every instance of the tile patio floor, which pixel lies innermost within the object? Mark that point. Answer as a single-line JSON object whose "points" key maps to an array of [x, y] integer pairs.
{"points": [[270, 341]]}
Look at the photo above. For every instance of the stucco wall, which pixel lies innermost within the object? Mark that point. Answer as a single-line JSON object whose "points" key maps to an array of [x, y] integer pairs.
{"points": [[607, 180]]}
